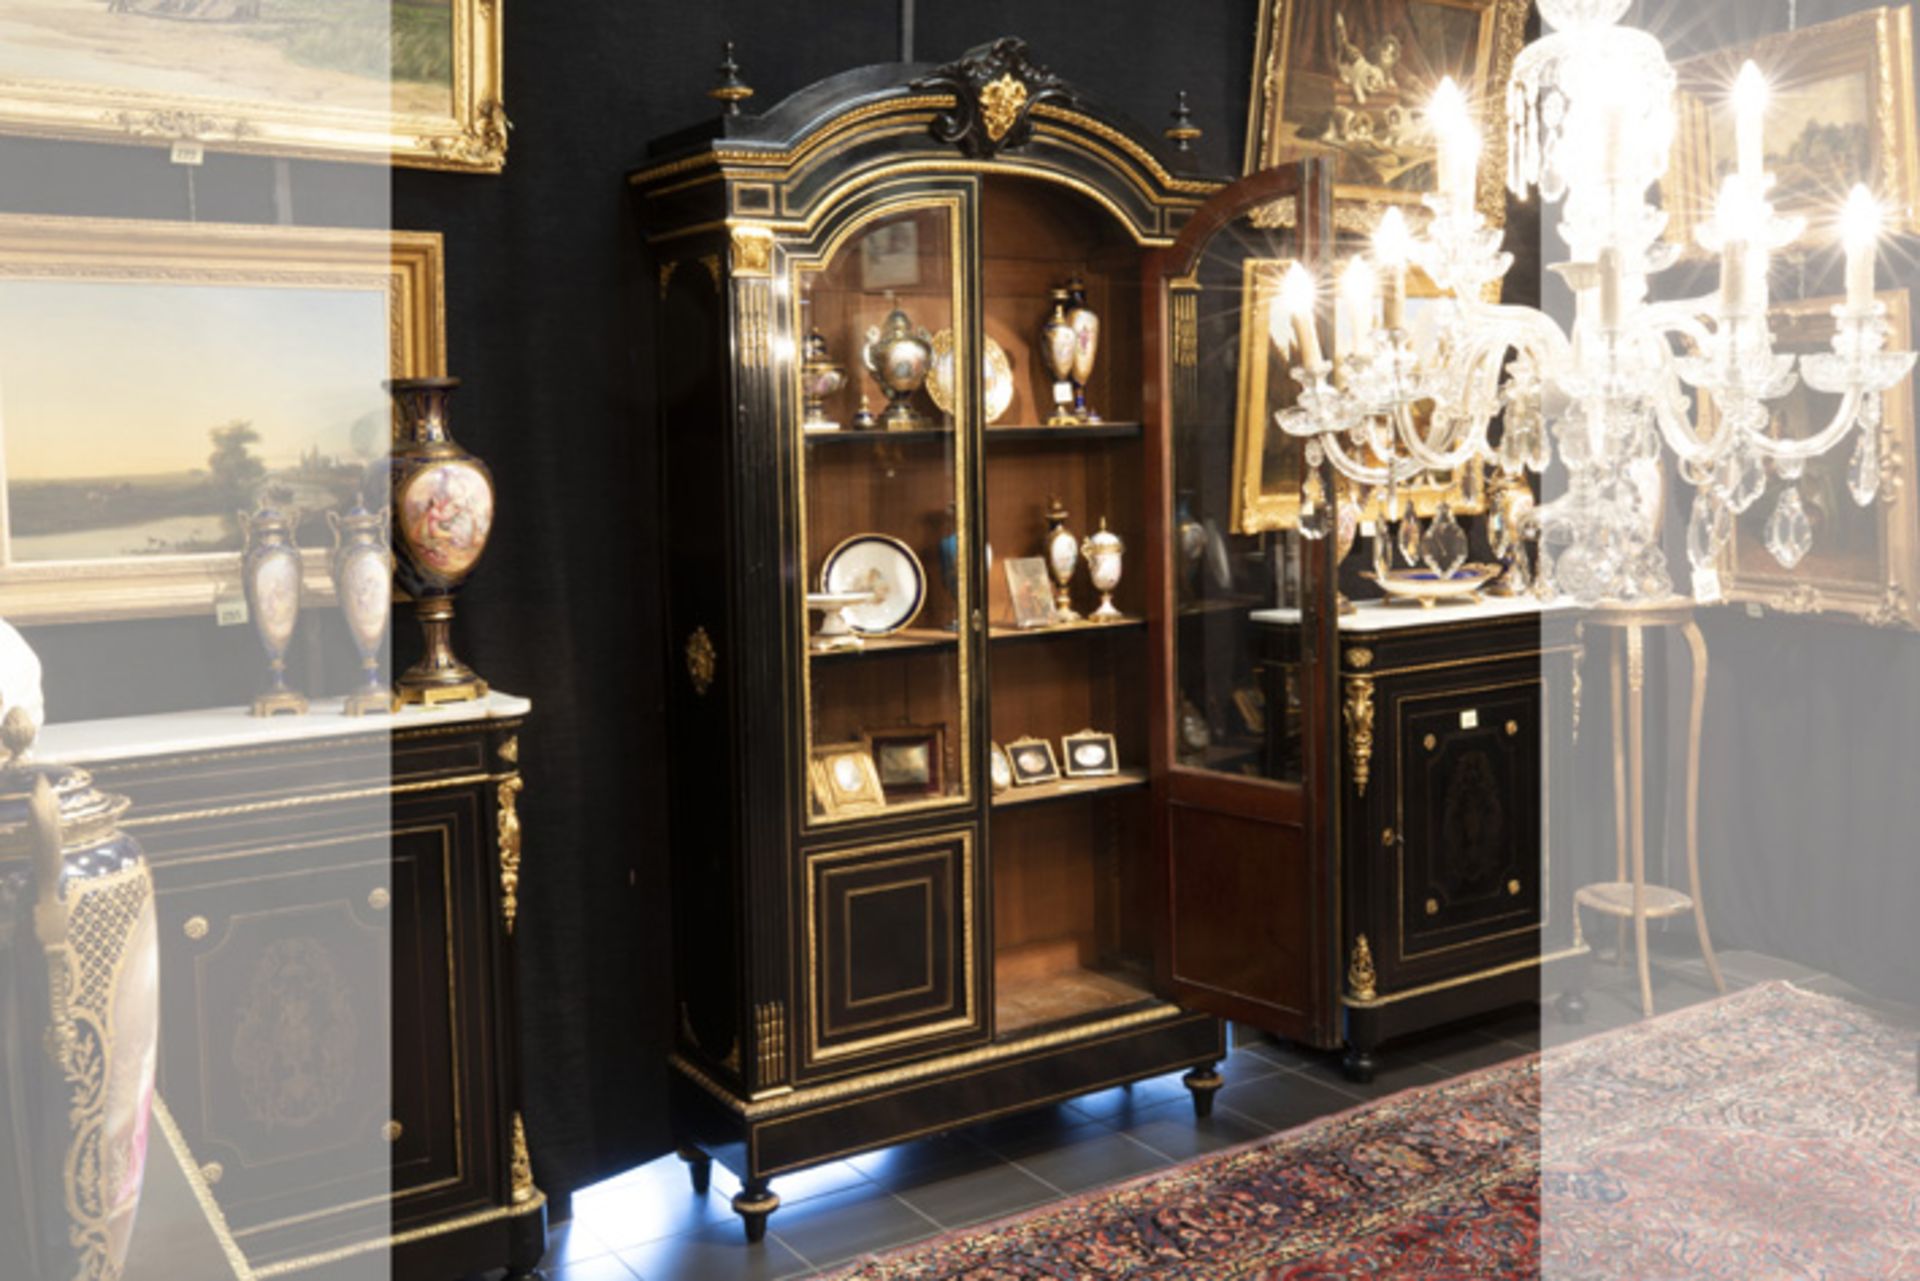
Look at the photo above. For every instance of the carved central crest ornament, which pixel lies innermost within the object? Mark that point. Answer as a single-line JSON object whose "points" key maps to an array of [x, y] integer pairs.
{"points": [[995, 88], [1000, 104]]}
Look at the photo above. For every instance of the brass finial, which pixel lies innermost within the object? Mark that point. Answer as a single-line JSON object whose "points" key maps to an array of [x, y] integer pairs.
{"points": [[1182, 133], [732, 90]]}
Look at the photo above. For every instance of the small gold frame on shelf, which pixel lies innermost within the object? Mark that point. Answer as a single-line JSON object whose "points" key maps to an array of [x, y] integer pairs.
{"points": [[845, 780], [1033, 762], [1090, 754], [909, 759]]}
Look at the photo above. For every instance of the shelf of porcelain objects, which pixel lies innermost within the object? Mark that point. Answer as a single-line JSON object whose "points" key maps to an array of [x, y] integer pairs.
{"points": [[914, 639], [1084, 627]]}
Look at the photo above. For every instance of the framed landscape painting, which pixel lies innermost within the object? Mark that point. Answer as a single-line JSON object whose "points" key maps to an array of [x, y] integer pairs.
{"points": [[158, 379], [414, 82], [1841, 112], [1350, 79]]}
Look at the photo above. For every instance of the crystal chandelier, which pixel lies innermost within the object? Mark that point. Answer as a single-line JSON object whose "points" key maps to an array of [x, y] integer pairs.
{"points": [[1591, 116]]}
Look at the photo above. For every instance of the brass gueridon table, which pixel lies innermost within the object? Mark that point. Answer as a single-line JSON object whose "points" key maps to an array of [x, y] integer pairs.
{"points": [[1628, 898]]}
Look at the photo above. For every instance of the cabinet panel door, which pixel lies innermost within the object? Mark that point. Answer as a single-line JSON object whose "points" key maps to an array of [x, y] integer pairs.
{"points": [[1468, 863], [892, 949], [1245, 610], [320, 1040]]}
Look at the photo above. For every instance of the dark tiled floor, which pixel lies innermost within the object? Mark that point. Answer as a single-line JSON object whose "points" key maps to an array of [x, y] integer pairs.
{"points": [[648, 1224]]}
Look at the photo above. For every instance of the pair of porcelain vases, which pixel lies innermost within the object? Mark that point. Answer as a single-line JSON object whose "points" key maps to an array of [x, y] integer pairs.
{"points": [[438, 499]]}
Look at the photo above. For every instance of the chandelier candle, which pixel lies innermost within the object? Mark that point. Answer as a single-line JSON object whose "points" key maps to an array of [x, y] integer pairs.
{"points": [[1860, 228], [1298, 295], [1392, 243]]}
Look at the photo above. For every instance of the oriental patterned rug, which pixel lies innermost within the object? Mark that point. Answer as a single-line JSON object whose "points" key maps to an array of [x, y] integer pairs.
{"points": [[1774, 1133]]}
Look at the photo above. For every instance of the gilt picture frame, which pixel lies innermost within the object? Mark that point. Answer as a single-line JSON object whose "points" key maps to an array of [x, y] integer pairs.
{"points": [[1350, 79], [416, 83], [1266, 462], [1841, 111], [909, 759], [246, 361], [1865, 562]]}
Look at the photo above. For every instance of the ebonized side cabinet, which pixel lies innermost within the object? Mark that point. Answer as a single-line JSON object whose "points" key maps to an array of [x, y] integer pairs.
{"points": [[873, 939], [336, 900]]}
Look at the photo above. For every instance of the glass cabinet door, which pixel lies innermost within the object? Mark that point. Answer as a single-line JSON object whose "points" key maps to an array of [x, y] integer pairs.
{"points": [[882, 545], [1247, 718]]}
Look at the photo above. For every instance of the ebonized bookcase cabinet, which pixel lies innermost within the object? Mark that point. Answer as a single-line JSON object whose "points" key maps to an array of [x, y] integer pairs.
{"points": [[850, 974]]}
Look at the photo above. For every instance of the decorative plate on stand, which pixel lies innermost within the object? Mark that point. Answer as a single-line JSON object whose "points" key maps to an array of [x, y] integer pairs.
{"points": [[995, 366], [887, 572]]}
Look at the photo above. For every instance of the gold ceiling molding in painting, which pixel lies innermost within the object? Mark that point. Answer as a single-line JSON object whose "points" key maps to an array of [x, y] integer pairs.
{"points": [[156, 377], [1350, 79], [269, 77]]}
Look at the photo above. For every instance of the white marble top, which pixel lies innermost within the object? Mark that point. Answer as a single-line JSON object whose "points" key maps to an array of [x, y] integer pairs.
{"points": [[224, 728], [1371, 616]]}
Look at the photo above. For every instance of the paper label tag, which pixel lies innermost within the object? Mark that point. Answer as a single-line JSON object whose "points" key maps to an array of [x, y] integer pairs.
{"points": [[188, 153], [1063, 393], [230, 611], [1470, 719]]}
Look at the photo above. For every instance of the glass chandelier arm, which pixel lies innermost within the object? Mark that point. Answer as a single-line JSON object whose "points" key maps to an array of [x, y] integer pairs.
{"points": [[1845, 419], [1424, 456], [1360, 473]]}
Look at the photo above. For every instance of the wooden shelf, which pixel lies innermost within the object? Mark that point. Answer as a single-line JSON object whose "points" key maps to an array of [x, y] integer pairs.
{"points": [[1006, 435], [848, 435], [1033, 990], [1002, 632], [914, 638], [1127, 780]]}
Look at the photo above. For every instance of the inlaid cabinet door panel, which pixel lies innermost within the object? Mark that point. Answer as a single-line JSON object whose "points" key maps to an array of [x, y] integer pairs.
{"points": [[892, 949], [1468, 864], [311, 1004]]}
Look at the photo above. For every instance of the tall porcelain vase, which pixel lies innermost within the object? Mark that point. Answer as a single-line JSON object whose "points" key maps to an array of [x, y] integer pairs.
{"points": [[443, 504], [270, 573], [1086, 345], [363, 580]]}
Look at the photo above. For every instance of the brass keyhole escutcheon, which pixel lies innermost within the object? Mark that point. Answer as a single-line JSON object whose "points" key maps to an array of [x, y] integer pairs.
{"points": [[213, 1172], [378, 898], [196, 928], [392, 1131], [1386, 838], [1433, 907], [1513, 888], [1432, 742], [1513, 728]]}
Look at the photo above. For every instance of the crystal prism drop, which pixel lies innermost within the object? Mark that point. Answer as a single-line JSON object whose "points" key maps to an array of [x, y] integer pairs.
{"points": [[1444, 549], [1863, 473], [1707, 533], [1410, 538], [1789, 532], [1742, 479], [1313, 507]]}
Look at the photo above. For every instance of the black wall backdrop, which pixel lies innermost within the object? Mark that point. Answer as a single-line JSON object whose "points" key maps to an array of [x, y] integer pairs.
{"points": [[547, 326]]}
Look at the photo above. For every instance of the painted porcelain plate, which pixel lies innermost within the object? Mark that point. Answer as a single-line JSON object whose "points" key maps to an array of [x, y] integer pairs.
{"points": [[887, 572], [995, 367]]}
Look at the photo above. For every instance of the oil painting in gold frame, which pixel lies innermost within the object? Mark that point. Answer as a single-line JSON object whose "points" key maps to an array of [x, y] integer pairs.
{"points": [[1865, 561], [157, 376], [1350, 79], [1266, 462], [1841, 112], [411, 82]]}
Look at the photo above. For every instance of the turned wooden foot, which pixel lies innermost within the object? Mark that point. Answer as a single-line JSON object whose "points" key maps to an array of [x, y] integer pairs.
{"points": [[754, 1204], [699, 1169], [1204, 1083], [1359, 1065]]}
